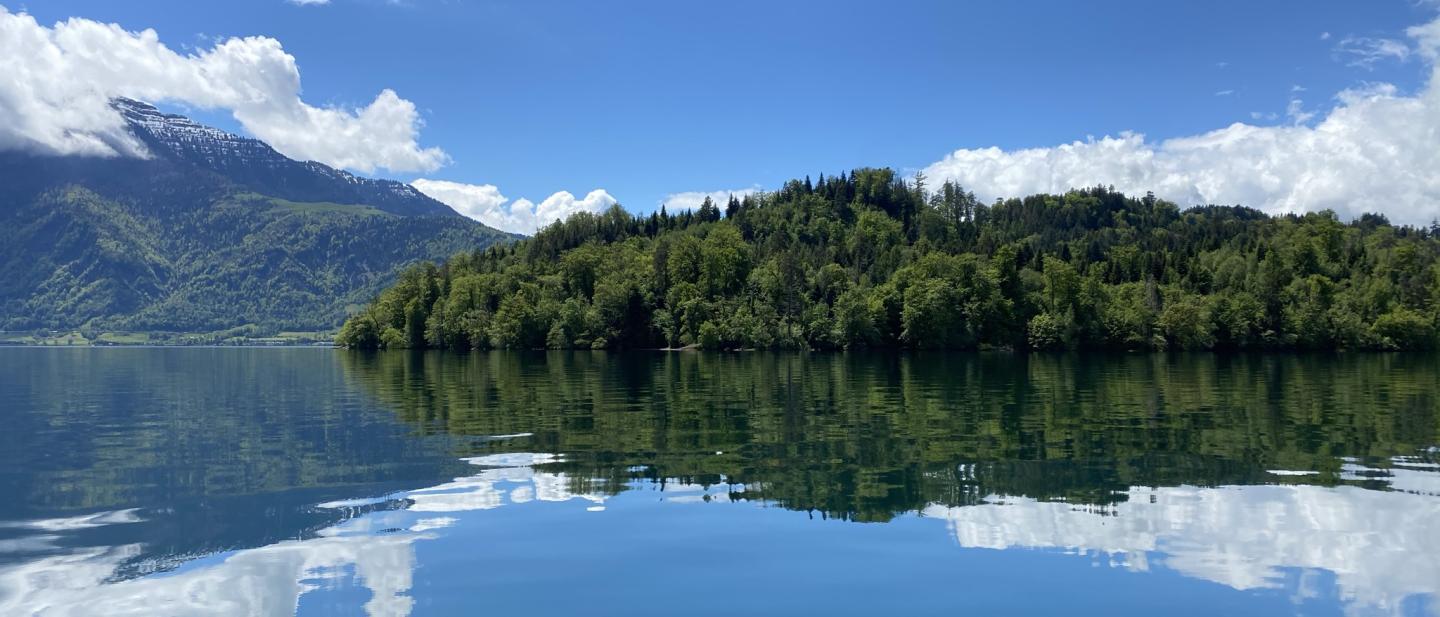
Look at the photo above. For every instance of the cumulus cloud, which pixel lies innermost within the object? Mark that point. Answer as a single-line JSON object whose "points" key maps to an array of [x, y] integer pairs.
{"points": [[691, 200], [476, 201], [485, 203], [1427, 39], [1375, 151], [58, 80]]}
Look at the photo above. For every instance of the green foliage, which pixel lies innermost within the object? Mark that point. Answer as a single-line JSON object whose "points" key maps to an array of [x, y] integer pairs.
{"points": [[1403, 328], [1047, 331], [1186, 322], [214, 261], [866, 259]]}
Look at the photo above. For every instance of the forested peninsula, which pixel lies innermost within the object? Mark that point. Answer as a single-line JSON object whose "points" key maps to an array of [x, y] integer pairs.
{"points": [[869, 259]]}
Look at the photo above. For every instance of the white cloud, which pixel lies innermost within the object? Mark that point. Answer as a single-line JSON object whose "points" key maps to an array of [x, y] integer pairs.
{"points": [[557, 207], [1224, 92], [59, 80], [1366, 52], [1427, 39], [485, 203], [1295, 110], [1374, 152], [691, 200], [309, 2], [477, 201], [1324, 36], [1367, 90]]}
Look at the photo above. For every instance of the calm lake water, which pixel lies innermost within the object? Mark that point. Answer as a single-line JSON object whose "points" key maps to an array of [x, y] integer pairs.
{"points": [[320, 482]]}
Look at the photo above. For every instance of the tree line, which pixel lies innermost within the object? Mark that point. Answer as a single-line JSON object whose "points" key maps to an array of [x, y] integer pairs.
{"points": [[869, 259]]}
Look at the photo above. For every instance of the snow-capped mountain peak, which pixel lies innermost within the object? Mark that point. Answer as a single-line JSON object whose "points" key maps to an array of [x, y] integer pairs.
{"points": [[255, 165]]}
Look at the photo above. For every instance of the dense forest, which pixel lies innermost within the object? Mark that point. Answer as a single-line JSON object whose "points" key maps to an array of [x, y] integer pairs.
{"points": [[868, 259]]}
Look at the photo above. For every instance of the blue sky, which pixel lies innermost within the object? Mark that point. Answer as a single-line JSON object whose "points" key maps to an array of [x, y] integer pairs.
{"points": [[647, 99]]}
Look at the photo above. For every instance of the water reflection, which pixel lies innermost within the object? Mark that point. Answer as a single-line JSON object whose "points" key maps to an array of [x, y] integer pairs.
{"points": [[868, 437], [1307, 484], [1378, 548], [1381, 547], [373, 549]]}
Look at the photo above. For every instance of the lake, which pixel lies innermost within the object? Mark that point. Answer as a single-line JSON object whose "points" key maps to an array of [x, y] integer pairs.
{"points": [[188, 481]]}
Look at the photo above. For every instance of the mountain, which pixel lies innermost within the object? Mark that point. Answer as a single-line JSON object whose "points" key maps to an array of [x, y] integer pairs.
{"points": [[211, 232], [869, 259], [253, 164]]}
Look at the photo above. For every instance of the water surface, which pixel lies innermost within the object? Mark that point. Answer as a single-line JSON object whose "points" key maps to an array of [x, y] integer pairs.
{"points": [[319, 482]]}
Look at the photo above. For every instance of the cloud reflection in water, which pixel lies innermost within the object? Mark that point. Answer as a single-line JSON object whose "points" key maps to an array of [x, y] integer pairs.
{"points": [[1383, 547], [377, 548]]}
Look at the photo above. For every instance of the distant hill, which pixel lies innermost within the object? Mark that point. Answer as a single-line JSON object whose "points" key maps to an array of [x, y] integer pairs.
{"points": [[867, 259], [213, 232]]}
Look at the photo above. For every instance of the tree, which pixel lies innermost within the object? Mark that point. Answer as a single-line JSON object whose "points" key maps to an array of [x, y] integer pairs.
{"points": [[708, 212], [861, 260], [725, 260], [1186, 322], [1047, 331], [1406, 329]]}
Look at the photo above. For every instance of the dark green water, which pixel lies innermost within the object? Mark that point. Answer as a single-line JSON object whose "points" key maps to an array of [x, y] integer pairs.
{"points": [[313, 481]]}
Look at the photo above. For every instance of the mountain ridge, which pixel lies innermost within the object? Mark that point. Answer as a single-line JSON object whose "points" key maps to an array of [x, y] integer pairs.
{"points": [[250, 161], [213, 231]]}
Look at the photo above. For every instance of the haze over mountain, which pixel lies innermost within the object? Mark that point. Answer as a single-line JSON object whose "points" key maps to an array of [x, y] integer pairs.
{"points": [[211, 231]]}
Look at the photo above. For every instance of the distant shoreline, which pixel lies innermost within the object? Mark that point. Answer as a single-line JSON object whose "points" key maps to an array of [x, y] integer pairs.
{"points": [[71, 338], [817, 352], [8, 345]]}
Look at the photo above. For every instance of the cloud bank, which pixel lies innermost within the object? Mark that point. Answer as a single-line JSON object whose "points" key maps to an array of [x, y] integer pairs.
{"points": [[691, 200], [1376, 151], [485, 203], [58, 80]]}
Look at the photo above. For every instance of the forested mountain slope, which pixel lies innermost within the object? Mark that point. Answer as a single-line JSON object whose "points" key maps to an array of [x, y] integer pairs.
{"points": [[212, 232], [866, 259]]}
